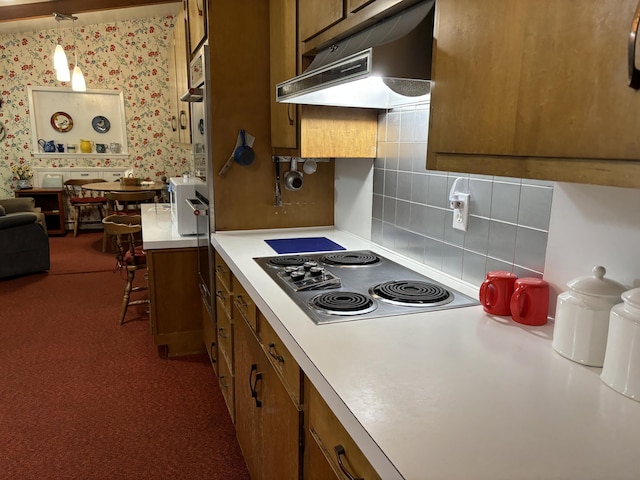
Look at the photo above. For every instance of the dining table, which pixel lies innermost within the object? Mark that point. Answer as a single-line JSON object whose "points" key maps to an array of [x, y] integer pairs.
{"points": [[157, 187]]}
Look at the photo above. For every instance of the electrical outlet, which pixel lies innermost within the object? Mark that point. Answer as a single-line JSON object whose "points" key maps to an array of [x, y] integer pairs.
{"points": [[461, 211]]}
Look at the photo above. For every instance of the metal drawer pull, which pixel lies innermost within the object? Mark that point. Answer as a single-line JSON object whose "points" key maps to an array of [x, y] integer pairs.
{"points": [[221, 333], [219, 269], [253, 384], [225, 385], [272, 348], [241, 301], [339, 449], [211, 356], [634, 73], [220, 295]]}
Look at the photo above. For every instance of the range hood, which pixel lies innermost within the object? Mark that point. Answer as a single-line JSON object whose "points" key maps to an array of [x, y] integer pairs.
{"points": [[384, 66]]}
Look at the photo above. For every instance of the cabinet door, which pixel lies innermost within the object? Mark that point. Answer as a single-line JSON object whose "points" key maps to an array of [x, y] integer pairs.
{"points": [[173, 88], [283, 55], [197, 16], [526, 85], [574, 100], [248, 411], [181, 55], [477, 72], [315, 16], [176, 315], [280, 429]]}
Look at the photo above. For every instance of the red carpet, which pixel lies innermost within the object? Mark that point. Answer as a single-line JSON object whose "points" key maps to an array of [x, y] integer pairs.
{"points": [[84, 398]]}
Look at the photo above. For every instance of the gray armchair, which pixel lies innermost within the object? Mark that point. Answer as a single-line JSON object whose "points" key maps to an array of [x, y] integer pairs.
{"points": [[24, 243]]}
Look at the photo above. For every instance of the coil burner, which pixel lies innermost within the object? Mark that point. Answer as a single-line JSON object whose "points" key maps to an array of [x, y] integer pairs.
{"points": [[289, 261], [412, 292], [351, 258], [343, 303]]}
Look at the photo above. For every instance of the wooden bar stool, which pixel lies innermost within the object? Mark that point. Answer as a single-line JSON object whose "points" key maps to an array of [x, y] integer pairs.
{"points": [[125, 231], [125, 203]]}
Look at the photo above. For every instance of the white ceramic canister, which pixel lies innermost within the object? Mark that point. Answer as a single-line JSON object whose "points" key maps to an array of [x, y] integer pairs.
{"points": [[621, 370], [582, 317]]}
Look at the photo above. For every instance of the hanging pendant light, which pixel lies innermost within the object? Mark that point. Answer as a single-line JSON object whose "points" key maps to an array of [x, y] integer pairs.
{"points": [[60, 63], [77, 82]]}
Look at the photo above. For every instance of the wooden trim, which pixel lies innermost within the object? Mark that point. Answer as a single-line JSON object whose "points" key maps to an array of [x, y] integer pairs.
{"points": [[46, 9], [617, 173], [353, 23]]}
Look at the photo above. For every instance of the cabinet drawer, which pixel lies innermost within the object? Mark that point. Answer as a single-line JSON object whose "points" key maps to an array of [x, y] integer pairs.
{"points": [[85, 174], [245, 305], [112, 176], [336, 444], [226, 382], [282, 360], [225, 338], [223, 301], [223, 274], [209, 337]]}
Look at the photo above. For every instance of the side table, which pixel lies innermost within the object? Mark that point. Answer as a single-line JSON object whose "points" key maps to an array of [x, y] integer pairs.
{"points": [[50, 201]]}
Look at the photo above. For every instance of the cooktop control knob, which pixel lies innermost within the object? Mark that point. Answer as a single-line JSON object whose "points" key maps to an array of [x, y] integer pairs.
{"points": [[316, 271]]}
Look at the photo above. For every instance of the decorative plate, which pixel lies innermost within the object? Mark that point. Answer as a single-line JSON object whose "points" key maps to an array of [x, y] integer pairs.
{"points": [[101, 124], [61, 122]]}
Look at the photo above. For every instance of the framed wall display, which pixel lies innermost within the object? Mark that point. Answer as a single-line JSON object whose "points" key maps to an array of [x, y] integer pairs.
{"points": [[65, 123]]}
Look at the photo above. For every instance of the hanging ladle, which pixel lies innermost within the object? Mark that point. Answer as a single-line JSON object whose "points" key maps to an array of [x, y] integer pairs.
{"points": [[293, 178]]}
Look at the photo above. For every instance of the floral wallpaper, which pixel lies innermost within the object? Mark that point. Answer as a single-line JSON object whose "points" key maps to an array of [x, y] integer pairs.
{"points": [[131, 56]]}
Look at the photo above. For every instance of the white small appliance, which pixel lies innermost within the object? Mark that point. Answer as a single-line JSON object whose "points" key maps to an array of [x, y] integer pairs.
{"points": [[182, 189]]}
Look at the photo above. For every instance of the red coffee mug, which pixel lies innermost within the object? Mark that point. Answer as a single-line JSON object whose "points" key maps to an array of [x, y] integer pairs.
{"points": [[496, 291], [530, 301]]}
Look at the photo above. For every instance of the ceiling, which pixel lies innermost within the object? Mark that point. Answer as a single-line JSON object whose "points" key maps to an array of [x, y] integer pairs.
{"points": [[18, 16]]}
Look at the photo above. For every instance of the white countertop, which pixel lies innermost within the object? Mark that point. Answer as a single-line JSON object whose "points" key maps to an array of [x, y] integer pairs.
{"points": [[450, 394], [159, 232]]}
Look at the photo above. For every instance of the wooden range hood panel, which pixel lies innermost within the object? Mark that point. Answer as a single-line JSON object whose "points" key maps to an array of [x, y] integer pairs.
{"points": [[46, 9]]}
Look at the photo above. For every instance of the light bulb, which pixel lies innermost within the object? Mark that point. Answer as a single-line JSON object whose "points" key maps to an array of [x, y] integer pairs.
{"points": [[59, 57], [62, 73], [77, 83], [61, 64]]}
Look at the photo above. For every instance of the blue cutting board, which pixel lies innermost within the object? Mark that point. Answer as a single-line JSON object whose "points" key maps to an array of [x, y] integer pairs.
{"points": [[306, 244]]}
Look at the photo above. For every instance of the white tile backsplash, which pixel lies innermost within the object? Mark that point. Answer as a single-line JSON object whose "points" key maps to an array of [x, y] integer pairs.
{"points": [[509, 217]]}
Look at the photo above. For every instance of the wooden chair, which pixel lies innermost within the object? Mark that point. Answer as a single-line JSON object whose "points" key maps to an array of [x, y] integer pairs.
{"points": [[125, 233], [79, 199], [127, 203]]}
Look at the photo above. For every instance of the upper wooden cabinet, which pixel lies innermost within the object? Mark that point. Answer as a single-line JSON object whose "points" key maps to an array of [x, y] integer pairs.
{"points": [[179, 83], [311, 131], [197, 21], [322, 22], [535, 89], [283, 60], [318, 16]]}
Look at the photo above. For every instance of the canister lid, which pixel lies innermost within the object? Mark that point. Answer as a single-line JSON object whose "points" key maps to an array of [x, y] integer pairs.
{"points": [[632, 297], [596, 285]]}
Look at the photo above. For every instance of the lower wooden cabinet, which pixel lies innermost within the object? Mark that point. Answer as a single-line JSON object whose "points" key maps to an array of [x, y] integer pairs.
{"points": [[285, 429], [175, 302], [331, 452], [50, 202], [267, 421]]}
